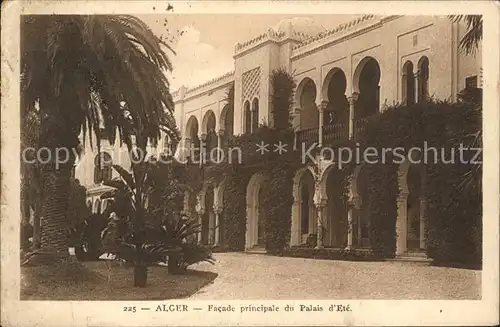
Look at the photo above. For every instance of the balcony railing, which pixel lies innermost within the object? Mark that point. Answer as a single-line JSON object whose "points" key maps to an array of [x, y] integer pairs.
{"points": [[331, 133], [359, 127], [335, 132], [307, 137]]}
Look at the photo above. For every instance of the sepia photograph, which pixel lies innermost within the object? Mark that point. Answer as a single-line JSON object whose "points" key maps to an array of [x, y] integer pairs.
{"points": [[248, 163]]}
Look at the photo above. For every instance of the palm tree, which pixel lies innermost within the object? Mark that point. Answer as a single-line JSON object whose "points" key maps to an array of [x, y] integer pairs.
{"points": [[473, 35], [30, 181], [80, 69]]}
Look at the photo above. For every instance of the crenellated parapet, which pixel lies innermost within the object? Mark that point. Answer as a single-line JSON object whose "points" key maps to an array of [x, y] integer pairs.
{"points": [[351, 28], [270, 36], [207, 86]]}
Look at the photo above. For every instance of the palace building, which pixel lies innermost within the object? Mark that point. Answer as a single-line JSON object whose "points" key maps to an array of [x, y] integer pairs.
{"points": [[342, 75]]}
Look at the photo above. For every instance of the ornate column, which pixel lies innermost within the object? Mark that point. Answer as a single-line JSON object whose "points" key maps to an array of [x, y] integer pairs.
{"points": [[296, 126], [201, 213], [417, 78], [211, 227], [321, 108], [220, 133], [203, 147], [186, 151], [252, 113], [320, 205], [423, 212], [352, 101], [401, 223], [295, 228], [350, 218], [218, 212]]}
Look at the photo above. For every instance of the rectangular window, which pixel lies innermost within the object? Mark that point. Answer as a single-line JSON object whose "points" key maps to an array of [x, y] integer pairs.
{"points": [[471, 82]]}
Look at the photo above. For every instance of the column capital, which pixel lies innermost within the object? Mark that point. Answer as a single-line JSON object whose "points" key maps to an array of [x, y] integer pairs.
{"points": [[403, 195], [217, 209], [322, 105], [417, 74], [353, 98], [320, 203], [203, 137], [220, 132]]}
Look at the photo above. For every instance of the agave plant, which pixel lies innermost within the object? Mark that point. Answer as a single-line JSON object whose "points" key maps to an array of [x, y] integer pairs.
{"points": [[181, 231]]}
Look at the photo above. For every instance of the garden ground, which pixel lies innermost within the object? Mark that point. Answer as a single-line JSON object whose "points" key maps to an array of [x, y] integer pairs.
{"points": [[256, 276], [74, 283]]}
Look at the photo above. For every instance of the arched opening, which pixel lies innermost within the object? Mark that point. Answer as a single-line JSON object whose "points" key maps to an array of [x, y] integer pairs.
{"points": [[309, 115], [209, 131], [102, 168], [414, 180], [307, 208], [336, 117], [248, 117], [367, 77], [361, 225], [89, 204], [423, 79], [227, 121], [255, 114], [256, 214], [192, 139], [335, 233], [410, 224], [208, 219], [408, 84], [338, 106]]}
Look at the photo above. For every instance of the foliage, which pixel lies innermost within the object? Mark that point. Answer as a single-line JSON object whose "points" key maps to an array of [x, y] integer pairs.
{"points": [[283, 86], [453, 217], [474, 31], [193, 253], [77, 209], [83, 72], [234, 214], [278, 200], [71, 55], [85, 236]]}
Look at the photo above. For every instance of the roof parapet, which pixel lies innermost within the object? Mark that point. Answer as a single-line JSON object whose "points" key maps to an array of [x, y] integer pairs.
{"points": [[270, 35], [349, 26], [184, 91]]}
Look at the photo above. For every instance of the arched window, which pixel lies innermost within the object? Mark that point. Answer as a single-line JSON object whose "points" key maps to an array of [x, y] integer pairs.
{"points": [[255, 114], [102, 168], [408, 84], [248, 117], [423, 79]]}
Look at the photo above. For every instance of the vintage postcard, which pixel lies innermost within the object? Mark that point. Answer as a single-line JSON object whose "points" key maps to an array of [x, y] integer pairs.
{"points": [[199, 163]]}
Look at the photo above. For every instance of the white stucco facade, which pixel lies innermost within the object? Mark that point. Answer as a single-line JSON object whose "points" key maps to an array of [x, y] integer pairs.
{"points": [[408, 57]]}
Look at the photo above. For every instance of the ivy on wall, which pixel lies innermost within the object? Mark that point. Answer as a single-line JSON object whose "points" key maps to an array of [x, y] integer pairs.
{"points": [[453, 216]]}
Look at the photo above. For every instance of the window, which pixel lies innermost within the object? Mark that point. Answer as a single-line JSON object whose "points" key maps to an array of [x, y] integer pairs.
{"points": [[248, 118], [471, 82], [408, 84], [423, 79], [255, 115], [102, 168]]}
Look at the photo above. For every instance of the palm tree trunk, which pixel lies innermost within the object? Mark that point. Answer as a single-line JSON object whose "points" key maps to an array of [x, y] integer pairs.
{"points": [[54, 225], [37, 226]]}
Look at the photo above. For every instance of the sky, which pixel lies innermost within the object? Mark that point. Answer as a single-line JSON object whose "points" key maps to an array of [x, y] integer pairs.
{"points": [[204, 43]]}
